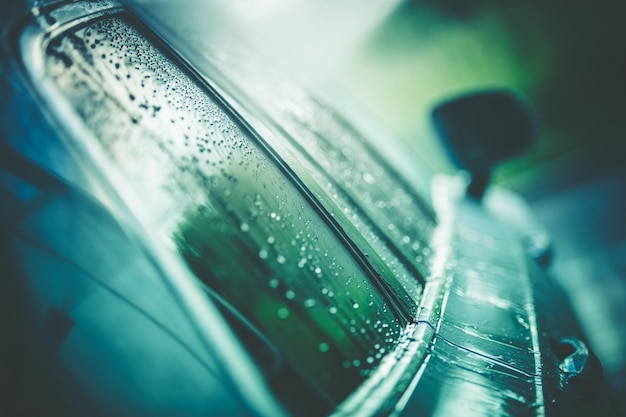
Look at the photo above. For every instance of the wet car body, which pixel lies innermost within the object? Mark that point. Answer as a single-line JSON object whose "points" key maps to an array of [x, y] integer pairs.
{"points": [[186, 234]]}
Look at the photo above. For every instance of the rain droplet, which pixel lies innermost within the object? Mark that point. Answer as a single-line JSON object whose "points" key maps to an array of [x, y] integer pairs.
{"points": [[245, 227], [282, 313], [323, 347]]}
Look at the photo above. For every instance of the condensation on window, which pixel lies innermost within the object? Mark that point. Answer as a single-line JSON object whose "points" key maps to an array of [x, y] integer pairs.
{"points": [[350, 172], [396, 211], [213, 194]]}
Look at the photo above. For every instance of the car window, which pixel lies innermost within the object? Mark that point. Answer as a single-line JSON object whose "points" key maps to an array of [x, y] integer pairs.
{"points": [[348, 170], [213, 192]]}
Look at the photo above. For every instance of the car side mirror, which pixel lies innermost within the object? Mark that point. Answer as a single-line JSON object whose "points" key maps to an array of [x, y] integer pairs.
{"points": [[480, 130]]}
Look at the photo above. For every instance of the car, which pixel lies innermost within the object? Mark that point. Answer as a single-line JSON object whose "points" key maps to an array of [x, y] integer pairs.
{"points": [[185, 231]]}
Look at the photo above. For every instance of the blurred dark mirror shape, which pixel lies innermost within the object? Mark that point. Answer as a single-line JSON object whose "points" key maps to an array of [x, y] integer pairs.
{"points": [[480, 130]]}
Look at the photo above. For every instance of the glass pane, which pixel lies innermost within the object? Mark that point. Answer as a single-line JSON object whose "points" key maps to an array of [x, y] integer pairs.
{"points": [[344, 167], [347, 168], [216, 196]]}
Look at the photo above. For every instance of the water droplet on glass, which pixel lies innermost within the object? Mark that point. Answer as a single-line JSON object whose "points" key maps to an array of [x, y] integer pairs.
{"points": [[282, 313], [245, 227], [323, 347]]}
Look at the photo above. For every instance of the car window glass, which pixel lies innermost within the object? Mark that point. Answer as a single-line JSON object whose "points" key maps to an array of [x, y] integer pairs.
{"points": [[348, 170], [215, 196]]}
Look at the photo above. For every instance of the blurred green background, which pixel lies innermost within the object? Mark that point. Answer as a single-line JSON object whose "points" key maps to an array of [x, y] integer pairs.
{"points": [[567, 58]]}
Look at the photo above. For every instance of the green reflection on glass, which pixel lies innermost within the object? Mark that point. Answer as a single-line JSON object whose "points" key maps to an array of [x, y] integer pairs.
{"points": [[210, 192]]}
